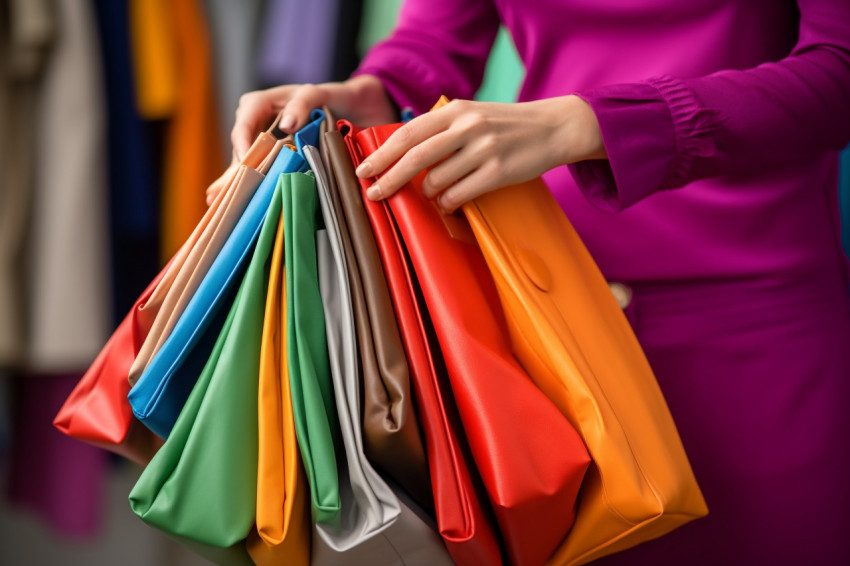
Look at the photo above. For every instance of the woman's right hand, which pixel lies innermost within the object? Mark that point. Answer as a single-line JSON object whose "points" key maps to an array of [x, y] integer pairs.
{"points": [[361, 99]]}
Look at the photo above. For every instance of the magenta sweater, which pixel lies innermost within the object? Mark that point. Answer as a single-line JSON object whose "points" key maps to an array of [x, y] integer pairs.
{"points": [[723, 120], [743, 105]]}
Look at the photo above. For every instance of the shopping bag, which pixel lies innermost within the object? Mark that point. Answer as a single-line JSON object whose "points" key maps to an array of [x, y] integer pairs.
{"points": [[163, 387], [510, 424], [282, 532], [376, 525], [571, 336], [464, 519], [316, 426], [97, 410], [392, 436], [202, 484], [192, 263]]}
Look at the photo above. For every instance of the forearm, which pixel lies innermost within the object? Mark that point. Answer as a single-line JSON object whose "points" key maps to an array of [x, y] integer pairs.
{"points": [[439, 47], [666, 132]]}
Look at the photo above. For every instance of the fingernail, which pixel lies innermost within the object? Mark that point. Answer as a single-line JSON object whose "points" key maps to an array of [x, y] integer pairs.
{"points": [[445, 208], [364, 169], [288, 122], [374, 192]]}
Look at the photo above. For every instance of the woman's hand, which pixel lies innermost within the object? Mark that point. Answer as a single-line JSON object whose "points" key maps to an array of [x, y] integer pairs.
{"points": [[476, 147], [361, 99]]}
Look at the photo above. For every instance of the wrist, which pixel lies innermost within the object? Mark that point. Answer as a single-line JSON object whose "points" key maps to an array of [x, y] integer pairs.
{"points": [[368, 99], [577, 133]]}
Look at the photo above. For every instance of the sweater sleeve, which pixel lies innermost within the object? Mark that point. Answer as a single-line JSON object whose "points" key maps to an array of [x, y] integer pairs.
{"points": [[439, 47], [665, 132]]}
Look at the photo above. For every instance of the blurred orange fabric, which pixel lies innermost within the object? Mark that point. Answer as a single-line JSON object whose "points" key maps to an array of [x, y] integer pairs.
{"points": [[174, 81]]}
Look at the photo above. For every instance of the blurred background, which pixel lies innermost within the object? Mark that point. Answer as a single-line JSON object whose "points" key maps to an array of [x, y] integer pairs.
{"points": [[114, 118]]}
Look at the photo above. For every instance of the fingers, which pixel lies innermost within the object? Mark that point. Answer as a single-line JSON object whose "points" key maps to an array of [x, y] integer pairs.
{"points": [[450, 171], [257, 109], [480, 181], [400, 143], [451, 141], [419, 144], [411, 163], [296, 111]]}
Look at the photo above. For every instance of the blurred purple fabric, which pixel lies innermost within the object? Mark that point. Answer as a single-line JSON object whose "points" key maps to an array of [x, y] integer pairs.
{"points": [[297, 42], [60, 479]]}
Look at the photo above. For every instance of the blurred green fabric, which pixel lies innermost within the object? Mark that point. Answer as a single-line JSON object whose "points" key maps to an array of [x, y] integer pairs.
{"points": [[504, 69]]}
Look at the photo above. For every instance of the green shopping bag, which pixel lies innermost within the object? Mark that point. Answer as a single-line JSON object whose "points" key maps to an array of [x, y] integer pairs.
{"points": [[316, 426], [201, 486]]}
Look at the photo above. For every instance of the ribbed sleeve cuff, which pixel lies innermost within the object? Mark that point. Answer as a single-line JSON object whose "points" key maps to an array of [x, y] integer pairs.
{"points": [[652, 131]]}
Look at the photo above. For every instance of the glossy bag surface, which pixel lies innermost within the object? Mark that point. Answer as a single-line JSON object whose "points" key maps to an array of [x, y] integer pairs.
{"points": [[510, 424], [159, 394], [316, 426], [569, 333], [464, 518], [392, 435], [97, 410], [194, 259], [202, 484], [282, 533], [377, 526]]}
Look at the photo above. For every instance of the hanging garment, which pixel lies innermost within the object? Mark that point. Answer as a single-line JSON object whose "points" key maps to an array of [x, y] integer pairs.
{"points": [[233, 31], [155, 58], [26, 33], [346, 55], [132, 180], [172, 55], [56, 478], [68, 275], [291, 22]]}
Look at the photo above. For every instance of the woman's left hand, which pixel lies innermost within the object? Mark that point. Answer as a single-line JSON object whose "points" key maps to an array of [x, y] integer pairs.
{"points": [[476, 147]]}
